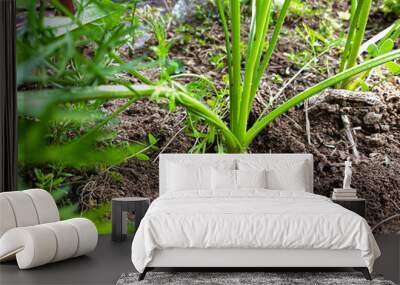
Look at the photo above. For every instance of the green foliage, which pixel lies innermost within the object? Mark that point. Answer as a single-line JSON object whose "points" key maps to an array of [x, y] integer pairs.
{"points": [[217, 99], [320, 41], [88, 150], [157, 24], [52, 180], [301, 8], [391, 6], [217, 60], [116, 176], [186, 34], [245, 67], [58, 137], [59, 52], [355, 37], [152, 139], [100, 217], [380, 44]]}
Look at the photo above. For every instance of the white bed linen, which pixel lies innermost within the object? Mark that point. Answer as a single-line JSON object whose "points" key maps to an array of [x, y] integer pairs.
{"points": [[252, 218]]}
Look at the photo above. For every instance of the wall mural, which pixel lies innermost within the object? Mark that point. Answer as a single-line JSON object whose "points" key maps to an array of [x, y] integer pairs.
{"points": [[105, 87]]}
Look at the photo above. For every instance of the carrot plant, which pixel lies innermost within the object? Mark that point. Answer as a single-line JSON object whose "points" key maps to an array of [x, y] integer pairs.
{"points": [[245, 75], [378, 45], [358, 23]]}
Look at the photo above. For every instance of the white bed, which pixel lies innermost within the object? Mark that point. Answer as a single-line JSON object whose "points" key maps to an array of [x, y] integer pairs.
{"points": [[281, 224]]}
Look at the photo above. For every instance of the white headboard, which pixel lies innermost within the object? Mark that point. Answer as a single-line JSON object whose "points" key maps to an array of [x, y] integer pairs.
{"points": [[210, 159]]}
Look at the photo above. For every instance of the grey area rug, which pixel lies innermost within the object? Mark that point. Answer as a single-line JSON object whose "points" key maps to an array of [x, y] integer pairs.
{"points": [[243, 278]]}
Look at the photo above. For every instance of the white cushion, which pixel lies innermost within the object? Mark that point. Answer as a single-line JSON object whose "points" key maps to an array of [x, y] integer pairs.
{"points": [[188, 177], [279, 180], [67, 240], [23, 208], [282, 174], [87, 235], [45, 205], [7, 220], [31, 246], [230, 180], [224, 179], [190, 174], [251, 178]]}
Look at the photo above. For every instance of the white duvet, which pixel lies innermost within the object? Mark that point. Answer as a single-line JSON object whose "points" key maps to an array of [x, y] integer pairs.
{"points": [[250, 219]]}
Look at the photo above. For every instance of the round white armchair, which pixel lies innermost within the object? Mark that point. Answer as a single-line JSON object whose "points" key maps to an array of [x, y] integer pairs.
{"points": [[31, 231]]}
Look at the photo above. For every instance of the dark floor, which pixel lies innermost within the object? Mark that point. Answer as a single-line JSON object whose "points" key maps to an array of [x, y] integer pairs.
{"points": [[111, 259]]}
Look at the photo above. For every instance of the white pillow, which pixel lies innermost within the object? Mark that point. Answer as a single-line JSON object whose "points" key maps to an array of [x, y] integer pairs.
{"points": [[293, 179], [251, 178], [281, 174], [223, 179], [183, 177]]}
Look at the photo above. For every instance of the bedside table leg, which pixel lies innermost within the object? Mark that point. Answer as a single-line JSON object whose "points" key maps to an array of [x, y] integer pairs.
{"points": [[116, 220]]}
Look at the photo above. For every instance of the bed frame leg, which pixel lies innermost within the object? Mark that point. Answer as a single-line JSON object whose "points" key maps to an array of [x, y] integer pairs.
{"points": [[364, 271], [143, 274]]}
